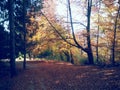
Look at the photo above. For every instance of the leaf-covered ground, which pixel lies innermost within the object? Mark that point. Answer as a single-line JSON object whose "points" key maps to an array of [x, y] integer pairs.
{"points": [[43, 75]]}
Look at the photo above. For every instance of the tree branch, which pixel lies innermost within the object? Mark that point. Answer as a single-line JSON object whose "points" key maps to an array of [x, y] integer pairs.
{"points": [[60, 33], [73, 33]]}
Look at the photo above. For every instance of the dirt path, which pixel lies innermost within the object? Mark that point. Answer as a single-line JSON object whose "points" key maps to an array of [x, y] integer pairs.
{"points": [[63, 76]]}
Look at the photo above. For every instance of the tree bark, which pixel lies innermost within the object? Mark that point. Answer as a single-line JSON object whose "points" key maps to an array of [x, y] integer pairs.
{"points": [[89, 48], [67, 56], [90, 57], [72, 59], [24, 27], [114, 37], [97, 48], [12, 38]]}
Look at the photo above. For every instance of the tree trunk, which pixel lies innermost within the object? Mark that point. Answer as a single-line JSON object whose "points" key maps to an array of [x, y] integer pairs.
{"points": [[97, 48], [24, 27], [61, 56], [12, 38], [90, 57], [72, 59], [67, 56], [89, 52], [114, 37]]}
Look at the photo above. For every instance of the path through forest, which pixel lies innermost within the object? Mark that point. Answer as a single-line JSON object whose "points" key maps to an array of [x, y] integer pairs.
{"points": [[52, 75]]}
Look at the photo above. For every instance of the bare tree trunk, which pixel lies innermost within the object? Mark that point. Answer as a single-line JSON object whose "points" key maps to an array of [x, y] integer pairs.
{"points": [[89, 48], [61, 56], [97, 48], [24, 27], [114, 37], [67, 56], [72, 59], [12, 38]]}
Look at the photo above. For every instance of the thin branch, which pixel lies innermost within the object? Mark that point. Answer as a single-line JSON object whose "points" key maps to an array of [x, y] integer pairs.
{"points": [[77, 23]]}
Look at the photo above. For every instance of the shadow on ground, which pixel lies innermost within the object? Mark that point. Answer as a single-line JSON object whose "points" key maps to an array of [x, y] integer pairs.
{"points": [[52, 75]]}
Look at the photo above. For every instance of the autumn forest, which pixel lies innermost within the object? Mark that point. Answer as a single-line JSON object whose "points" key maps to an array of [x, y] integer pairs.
{"points": [[78, 32]]}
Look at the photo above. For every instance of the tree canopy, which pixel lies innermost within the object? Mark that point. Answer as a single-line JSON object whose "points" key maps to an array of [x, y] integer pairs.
{"points": [[44, 33]]}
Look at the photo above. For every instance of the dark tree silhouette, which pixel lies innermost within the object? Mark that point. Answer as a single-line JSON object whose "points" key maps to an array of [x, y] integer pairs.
{"points": [[12, 38], [24, 27]]}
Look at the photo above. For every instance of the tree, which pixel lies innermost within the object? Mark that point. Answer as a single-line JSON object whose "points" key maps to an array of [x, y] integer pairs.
{"points": [[12, 38], [98, 30], [114, 36], [108, 27], [24, 27], [88, 50], [38, 35], [49, 8], [17, 22], [41, 36]]}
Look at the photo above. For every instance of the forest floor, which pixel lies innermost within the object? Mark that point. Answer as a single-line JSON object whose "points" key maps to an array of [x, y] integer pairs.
{"points": [[53, 75]]}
